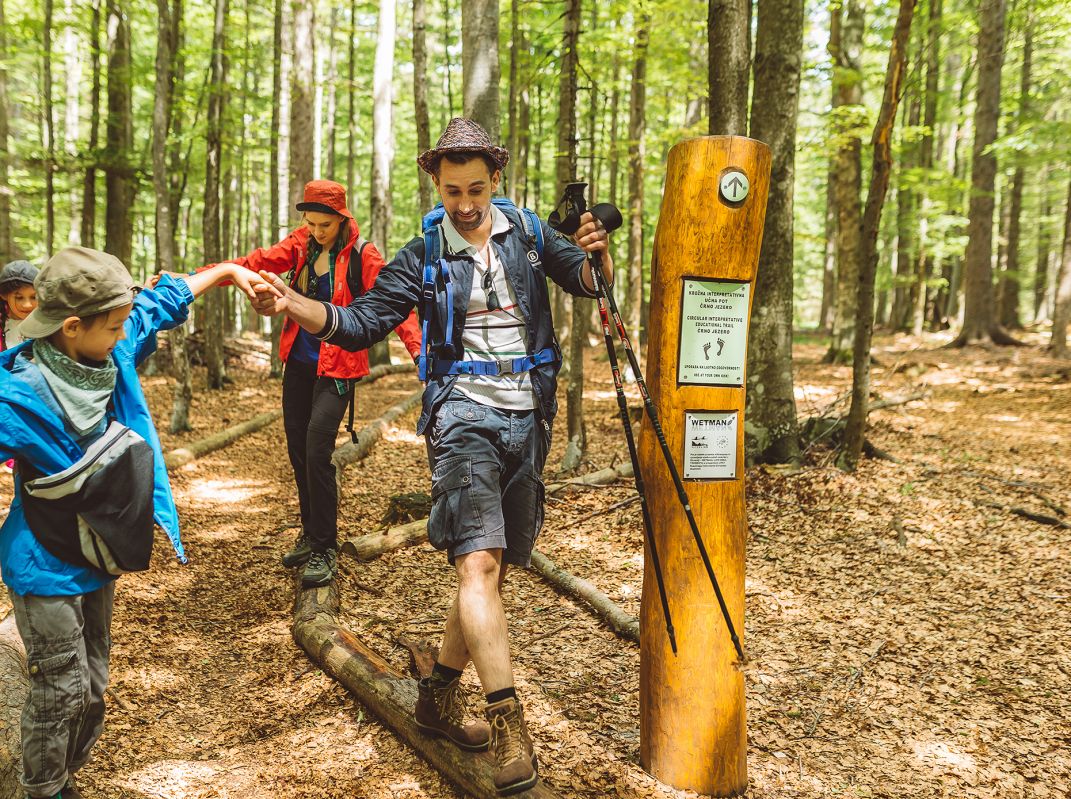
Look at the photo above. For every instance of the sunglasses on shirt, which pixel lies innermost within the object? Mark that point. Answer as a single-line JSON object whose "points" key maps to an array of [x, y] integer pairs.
{"points": [[489, 289]]}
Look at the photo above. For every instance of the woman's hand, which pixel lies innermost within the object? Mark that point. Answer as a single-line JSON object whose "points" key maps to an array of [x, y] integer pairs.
{"points": [[250, 283], [153, 280]]}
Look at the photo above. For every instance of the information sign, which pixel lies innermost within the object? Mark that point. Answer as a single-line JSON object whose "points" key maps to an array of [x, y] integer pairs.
{"points": [[713, 336], [710, 445]]}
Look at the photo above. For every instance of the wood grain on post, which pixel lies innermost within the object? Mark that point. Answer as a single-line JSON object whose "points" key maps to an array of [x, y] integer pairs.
{"points": [[693, 733]]}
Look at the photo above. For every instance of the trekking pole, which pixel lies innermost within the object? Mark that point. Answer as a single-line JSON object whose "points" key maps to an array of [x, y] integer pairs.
{"points": [[626, 422], [610, 217]]}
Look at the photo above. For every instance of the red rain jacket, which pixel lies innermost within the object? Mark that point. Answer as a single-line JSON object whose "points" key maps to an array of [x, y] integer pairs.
{"points": [[289, 254]]}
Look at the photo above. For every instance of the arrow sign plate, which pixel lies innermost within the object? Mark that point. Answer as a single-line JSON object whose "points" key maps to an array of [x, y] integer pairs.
{"points": [[734, 186]]}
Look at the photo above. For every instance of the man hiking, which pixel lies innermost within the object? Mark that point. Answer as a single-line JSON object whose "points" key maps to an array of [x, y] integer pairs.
{"points": [[490, 360]]}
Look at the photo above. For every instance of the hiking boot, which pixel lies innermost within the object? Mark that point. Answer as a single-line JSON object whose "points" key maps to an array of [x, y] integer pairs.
{"points": [[320, 569], [440, 713], [512, 747], [299, 554]]}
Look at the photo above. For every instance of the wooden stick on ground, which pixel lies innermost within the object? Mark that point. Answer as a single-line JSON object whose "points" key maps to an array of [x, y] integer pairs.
{"points": [[177, 458], [390, 696]]}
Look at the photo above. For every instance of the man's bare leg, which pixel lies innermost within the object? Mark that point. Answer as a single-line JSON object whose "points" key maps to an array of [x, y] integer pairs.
{"points": [[476, 626], [454, 654]]}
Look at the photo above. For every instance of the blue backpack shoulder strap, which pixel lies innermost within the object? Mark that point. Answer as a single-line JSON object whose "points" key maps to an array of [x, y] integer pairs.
{"points": [[433, 265], [533, 231]]}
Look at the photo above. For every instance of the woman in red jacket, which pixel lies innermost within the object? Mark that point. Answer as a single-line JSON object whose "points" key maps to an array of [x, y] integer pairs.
{"points": [[327, 259]]}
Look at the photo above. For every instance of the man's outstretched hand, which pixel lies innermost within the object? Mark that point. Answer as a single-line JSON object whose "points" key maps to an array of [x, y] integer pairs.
{"points": [[271, 296]]}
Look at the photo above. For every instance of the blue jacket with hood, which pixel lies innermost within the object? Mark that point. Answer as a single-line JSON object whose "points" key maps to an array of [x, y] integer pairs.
{"points": [[34, 431]]}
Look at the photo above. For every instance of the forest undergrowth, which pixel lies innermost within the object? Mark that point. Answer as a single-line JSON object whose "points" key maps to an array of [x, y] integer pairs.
{"points": [[908, 628]]}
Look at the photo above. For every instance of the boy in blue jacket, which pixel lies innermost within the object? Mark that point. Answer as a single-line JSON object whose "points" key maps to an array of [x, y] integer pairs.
{"points": [[59, 390]]}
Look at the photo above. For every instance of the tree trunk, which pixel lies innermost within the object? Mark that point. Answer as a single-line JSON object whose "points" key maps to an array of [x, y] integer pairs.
{"points": [[1010, 278], [636, 153], [351, 106], [279, 140], [302, 110], [614, 151], [420, 99], [6, 252], [979, 320], [829, 265], [729, 48], [904, 281], [1042, 310], [383, 146], [332, 102], [565, 168], [480, 73], [881, 165], [210, 220], [73, 68], [89, 183], [513, 144], [50, 132], [119, 182], [1062, 306], [165, 232], [771, 404], [847, 170], [924, 261], [449, 76]]}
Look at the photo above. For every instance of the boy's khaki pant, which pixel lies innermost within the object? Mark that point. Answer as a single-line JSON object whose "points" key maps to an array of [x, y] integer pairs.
{"points": [[67, 640]]}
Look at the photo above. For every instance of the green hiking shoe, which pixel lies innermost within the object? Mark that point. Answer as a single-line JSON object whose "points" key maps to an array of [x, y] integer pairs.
{"points": [[320, 570], [299, 554]]}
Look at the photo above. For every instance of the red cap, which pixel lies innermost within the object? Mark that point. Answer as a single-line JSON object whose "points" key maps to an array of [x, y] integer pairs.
{"points": [[325, 196]]}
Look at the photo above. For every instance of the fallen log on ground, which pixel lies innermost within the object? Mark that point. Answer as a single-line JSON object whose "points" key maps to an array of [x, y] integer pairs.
{"points": [[600, 478], [390, 696], [183, 455], [371, 546], [353, 451], [14, 687], [609, 611]]}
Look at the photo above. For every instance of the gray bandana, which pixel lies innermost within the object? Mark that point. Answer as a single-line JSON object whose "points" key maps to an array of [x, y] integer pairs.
{"points": [[82, 391]]}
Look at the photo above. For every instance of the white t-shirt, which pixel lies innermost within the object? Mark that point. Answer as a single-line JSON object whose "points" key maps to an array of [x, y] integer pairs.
{"points": [[492, 335], [11, 333]]}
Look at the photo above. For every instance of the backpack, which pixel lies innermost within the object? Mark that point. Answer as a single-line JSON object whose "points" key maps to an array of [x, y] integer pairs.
{"points": [[437, 270], [99, 511]]}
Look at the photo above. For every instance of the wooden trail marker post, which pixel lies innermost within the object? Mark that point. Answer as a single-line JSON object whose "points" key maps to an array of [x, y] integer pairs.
{"points": [[693, 733]]}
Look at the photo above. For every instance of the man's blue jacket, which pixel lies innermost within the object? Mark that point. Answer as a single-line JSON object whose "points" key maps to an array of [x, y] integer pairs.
{"points": [[397, 290], [31, 430]]}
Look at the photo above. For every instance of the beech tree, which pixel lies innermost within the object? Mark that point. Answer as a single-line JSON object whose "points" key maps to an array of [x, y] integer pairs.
{"points": [[773, 433]]}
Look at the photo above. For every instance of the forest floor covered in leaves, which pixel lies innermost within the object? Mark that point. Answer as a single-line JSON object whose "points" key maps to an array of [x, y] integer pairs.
{"points": [[907, 628]]}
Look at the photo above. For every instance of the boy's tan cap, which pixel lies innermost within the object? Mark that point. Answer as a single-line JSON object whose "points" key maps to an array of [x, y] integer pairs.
{"points": [[76, 281]]}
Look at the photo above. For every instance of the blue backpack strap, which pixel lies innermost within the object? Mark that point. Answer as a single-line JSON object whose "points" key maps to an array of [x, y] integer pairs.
{"points": [[533, 229]]}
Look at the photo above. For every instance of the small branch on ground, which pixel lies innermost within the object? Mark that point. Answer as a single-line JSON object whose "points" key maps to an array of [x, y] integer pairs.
{"points": [[1040, 518]]}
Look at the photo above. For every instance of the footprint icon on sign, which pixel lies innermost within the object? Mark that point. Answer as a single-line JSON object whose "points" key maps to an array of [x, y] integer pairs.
{"points": [[721, 345], [706, 351]]}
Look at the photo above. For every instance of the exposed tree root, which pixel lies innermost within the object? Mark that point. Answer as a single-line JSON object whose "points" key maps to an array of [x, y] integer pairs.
{"points": [[1033, 516]]}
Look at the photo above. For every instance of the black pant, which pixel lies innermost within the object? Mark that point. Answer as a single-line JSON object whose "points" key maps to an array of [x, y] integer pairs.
{"points": [[312, 410]]}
